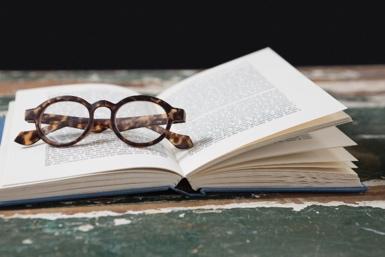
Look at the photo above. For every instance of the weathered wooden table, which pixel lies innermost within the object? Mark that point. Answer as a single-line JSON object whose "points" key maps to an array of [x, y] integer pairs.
{"points": [[241, 225]]}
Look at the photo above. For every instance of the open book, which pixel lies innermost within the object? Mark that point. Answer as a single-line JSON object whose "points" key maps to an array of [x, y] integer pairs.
{"points": [[257, 124]]}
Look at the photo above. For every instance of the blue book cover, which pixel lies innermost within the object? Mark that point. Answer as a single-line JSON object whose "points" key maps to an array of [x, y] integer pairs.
{"points": [[203, 192], [2, 120]]}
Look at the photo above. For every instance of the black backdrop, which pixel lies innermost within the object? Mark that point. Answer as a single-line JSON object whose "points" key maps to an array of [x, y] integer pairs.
{"points": [[181, 34]]}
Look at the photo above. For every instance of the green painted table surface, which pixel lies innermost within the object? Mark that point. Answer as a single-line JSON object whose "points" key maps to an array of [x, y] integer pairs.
{"points": [[238, 225]]}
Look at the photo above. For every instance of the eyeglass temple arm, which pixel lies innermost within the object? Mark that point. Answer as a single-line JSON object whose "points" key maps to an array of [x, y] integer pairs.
{"points": [[30, 137], [152, 121]]}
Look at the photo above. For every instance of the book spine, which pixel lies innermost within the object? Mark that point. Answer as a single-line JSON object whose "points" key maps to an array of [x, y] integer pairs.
{"points": [[184, 188]]}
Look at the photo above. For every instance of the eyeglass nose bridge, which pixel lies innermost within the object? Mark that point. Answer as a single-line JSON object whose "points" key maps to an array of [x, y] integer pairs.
{"points": [[99, 125], [102, 103]]}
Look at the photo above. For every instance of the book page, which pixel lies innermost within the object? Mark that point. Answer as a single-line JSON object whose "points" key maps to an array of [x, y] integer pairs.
{"points": [[316, 156], [321, 139], [242, 101], [95, 153]]}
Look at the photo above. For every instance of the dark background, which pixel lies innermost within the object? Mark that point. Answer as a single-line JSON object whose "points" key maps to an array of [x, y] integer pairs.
{"points": [[181, 34]]}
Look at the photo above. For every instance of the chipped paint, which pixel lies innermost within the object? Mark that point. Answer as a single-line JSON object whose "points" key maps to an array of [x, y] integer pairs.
{"points": [[120, 222], [197, 209], [85, 228]]}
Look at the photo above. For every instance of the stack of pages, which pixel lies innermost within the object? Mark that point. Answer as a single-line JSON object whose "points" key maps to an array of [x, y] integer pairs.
{"points": [[257, 123]]}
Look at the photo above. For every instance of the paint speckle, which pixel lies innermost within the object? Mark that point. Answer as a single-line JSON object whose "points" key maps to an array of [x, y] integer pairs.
{"points": [[85, 228], [374, 231], [196, 249], [181, 215], [208, 211], [119, 222], [27, 241]]}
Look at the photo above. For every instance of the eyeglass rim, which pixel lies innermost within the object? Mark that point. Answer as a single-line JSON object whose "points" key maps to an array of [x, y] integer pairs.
{"points": [[39, 110]]}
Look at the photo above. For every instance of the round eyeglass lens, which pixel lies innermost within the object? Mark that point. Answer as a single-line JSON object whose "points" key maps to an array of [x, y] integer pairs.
{"points": [[64, 122], [141, 121]]}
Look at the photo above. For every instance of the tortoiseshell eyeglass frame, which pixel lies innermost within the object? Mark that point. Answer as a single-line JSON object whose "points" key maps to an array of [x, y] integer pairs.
{"points": [[56, 121]]}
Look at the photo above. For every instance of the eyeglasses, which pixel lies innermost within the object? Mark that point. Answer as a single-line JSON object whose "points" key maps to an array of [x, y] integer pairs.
{"points": [[139, 121]]}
